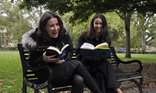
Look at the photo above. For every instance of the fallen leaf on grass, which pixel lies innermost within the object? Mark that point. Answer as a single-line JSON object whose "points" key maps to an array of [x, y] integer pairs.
{"points": [[1, 82]]}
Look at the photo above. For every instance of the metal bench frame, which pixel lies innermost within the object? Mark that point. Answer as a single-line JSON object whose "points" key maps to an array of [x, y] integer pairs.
{"points": [[135, 76], [30, 80]]}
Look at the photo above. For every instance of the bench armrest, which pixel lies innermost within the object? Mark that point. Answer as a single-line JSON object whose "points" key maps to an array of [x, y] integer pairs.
{"points": [[137, 62], [134, 65], [130, 66]]}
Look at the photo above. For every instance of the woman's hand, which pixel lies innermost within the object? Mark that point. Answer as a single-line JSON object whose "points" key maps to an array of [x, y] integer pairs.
{"points": [[60, 61], [52, 58], [49, 59]]}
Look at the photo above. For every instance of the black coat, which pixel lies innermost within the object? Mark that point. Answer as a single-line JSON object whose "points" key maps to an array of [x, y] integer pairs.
{"points": [[61, 72], [36, 56], [100, 69]]}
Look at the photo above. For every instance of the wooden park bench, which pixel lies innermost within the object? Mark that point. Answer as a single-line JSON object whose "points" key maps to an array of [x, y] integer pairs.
{"points": [[120, 67]]}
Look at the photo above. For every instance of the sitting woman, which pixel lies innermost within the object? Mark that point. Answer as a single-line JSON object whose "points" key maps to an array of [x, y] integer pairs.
{"points": [[51, 32], [99, 68]]}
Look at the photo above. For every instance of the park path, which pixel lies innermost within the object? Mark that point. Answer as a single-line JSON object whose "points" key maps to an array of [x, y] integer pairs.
{"points": [[145, 90]]}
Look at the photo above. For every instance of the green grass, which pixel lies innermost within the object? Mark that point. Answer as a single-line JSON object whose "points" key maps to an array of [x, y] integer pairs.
{"points": [[11, 73], [145, 58]]}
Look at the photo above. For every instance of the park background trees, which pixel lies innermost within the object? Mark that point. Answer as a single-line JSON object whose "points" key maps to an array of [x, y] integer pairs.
{"points": [[83, 9], [131, 22], [14, 22]]}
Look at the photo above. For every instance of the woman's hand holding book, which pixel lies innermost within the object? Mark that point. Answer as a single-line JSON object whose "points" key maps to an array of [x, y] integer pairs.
{"points": [[50, 58]]}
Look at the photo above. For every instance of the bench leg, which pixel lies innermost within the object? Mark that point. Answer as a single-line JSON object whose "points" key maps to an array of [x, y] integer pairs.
{"points": [[139, 84], [24, 88], [49, 88]]}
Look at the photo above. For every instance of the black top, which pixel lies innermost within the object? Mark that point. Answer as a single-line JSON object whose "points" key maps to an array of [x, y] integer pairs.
{"points": [[41, 42], [93, 40]]}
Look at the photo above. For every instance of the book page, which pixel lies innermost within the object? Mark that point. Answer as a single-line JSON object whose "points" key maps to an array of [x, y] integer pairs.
{"points": [[102, 46], [64, 47], [54, 48], [87, 46]]}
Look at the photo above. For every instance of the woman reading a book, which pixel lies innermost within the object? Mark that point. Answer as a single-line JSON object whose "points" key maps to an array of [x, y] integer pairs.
{"points": [[51, 32], [99, 68]]}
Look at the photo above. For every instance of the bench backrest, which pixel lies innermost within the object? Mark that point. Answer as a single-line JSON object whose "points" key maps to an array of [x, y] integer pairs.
{"points": [[24, 54], [28, 74]]}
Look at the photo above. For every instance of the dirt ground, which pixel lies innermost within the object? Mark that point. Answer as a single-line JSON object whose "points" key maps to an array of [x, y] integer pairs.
{"points": [[149, 83], [149, 73]]}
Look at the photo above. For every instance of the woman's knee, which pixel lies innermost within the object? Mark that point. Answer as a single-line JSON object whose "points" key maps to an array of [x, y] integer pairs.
{"points": [[77, 79], [77, 84]]}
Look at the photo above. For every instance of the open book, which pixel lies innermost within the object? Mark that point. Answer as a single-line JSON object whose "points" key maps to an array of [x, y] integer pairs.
{"points": [[51, 50], [92, 47], [89, 50]]}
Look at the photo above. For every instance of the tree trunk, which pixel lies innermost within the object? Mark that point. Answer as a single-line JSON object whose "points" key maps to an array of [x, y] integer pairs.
{"points": [[143, 45], [127, 17]]}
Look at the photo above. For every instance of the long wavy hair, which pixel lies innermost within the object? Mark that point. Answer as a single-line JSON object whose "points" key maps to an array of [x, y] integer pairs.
{"points": [[104, 34], [42, 32]]}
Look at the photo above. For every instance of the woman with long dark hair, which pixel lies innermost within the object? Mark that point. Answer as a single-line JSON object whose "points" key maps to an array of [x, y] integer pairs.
{"points": [[51, 32], [99, 68]]}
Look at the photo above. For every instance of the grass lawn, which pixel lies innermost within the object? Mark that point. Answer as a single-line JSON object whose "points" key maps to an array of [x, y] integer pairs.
{"points": [[11, 73], [145, 58]]}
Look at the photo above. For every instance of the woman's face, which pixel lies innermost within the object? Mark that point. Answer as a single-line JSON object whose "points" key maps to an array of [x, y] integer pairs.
{"points": [[98, 24], [53, 27]]}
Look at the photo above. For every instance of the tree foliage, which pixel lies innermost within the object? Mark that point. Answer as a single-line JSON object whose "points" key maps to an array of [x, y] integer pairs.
{"points": [[86, 8], [83, 9], [146, 26], [15, 21]]}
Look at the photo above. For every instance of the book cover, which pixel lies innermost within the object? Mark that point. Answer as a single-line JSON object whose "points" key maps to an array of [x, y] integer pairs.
{"points": [[101, 50], [51, 50]]}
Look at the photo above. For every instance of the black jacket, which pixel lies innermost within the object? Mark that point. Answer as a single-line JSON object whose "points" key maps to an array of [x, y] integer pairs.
{"points": [[32, 42], [84, 37]]}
